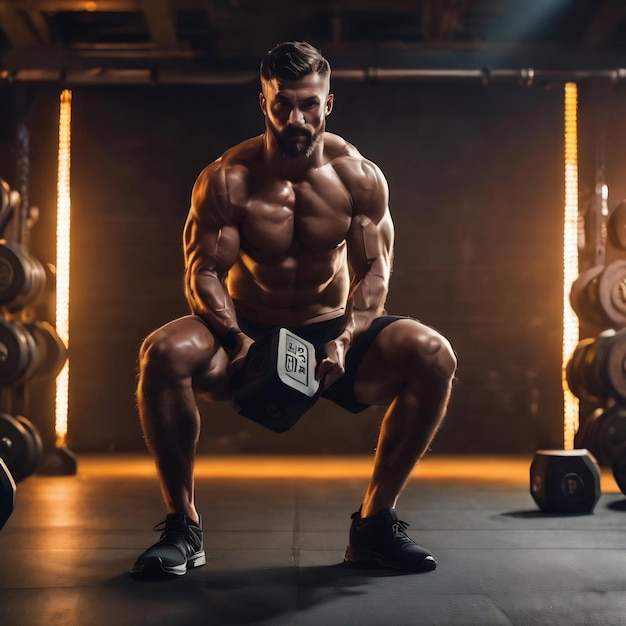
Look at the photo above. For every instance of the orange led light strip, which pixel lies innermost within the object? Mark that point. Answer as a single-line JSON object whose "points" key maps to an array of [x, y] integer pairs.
{"points": [[63, 262], [570, 259]]}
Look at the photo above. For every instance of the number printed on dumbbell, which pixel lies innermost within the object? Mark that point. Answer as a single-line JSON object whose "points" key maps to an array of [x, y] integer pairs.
{"points": [[296, 359], [296, 368]]}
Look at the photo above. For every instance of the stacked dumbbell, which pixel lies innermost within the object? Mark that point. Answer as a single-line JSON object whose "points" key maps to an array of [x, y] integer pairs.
{"points": [[30, 348], [7, 487], [568, 481], [596, 371], [22, 449], [21, 452]]}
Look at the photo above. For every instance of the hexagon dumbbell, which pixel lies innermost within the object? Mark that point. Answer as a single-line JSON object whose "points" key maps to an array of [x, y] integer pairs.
{"points": [[565, 481]]}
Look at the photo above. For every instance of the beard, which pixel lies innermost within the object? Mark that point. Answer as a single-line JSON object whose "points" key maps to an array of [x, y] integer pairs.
{"points": [[296, 143]]}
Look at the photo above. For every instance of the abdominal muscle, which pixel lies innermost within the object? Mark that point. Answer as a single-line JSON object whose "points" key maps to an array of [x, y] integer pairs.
{"points": [[290, 291]]}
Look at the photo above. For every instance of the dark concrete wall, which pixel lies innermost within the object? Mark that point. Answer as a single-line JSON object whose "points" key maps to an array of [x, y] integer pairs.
{"points": [[476, 193]]}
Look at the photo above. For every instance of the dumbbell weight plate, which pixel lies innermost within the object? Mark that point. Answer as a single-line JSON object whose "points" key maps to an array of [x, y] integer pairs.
{"points": [[33, 285], [12, 274], [616, 226], [18, 352], [5, 199], [619, 469], [36, 440], [583, 297], [576, 371], [582, 437], [610, 434], [22, 454], [7, 494], [612, 293], [49, 288], [22, 277], [614, 368], [52, 352]]}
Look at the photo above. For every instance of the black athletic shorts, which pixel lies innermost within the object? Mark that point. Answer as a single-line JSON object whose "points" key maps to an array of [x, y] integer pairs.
{"points": [[342, 392]]}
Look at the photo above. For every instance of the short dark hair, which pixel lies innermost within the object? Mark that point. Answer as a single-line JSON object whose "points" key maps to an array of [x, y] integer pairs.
{"points": [[292, 60]]}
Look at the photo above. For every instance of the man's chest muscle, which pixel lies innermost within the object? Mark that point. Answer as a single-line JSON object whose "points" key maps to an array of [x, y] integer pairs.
{"points": [[281, 217]]}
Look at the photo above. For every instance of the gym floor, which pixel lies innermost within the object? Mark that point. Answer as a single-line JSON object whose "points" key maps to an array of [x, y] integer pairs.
{"points": [[275, 532]]}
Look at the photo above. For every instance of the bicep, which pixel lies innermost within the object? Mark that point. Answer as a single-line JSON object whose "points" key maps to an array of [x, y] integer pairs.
{"points": [[211, 237], [210, 248], [371, 235]]}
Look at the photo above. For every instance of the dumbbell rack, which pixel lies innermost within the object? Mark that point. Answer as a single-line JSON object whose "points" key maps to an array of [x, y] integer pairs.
{"points": [[30, 349], [596, 370]]}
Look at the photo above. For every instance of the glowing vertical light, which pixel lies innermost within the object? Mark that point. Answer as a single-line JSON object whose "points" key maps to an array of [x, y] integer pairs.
{"points": [[570, 259], [63, 262]]}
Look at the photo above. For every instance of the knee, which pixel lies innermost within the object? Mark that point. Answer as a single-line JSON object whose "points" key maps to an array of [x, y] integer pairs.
{"points": [[161, 355], [445, 361], [433, 353]]}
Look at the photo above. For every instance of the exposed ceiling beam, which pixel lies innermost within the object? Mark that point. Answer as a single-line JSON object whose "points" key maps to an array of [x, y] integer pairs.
{"points": [[53, 6], [16, 27], [454, 55], [40, 25], [160, 20], [605, 22], [396, 6]]}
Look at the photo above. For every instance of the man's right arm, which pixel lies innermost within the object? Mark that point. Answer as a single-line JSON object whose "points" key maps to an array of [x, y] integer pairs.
{"points": [[211, 247]]}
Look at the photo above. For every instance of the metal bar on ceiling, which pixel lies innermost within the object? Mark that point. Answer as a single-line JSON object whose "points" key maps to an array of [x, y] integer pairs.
{"points": [[155, 76]]}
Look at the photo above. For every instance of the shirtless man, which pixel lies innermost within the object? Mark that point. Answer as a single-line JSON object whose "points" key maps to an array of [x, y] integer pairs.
{"points": [[292, 229]]}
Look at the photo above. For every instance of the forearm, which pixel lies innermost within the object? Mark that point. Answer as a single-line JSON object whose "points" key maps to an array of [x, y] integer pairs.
{"points": [[366, 303], [209, 299]]}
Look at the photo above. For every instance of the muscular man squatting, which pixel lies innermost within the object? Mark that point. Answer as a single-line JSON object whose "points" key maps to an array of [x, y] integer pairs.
{"points": [[292, 228]]}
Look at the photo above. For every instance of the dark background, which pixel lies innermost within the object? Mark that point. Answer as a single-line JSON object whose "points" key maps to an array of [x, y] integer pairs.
{"points": [[476, 179]]}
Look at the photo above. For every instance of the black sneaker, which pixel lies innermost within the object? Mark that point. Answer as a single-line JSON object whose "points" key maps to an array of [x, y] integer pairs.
{"points": [[179, 549], [380, 541]]}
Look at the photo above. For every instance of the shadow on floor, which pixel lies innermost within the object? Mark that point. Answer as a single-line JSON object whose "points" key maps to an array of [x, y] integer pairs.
{"points": [[532, 514], [247, 596], [617, 505]]}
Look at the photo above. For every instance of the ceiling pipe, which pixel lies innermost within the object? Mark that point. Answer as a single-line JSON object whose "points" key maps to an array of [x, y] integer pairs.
{"points": [[154, 76]]}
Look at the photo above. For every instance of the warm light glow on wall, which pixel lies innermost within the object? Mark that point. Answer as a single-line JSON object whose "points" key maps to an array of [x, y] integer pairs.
{"points": [[570, 259], [63, 262]]}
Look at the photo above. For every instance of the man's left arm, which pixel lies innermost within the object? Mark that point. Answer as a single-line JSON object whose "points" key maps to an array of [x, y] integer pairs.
{"points": [[370, 254]]}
